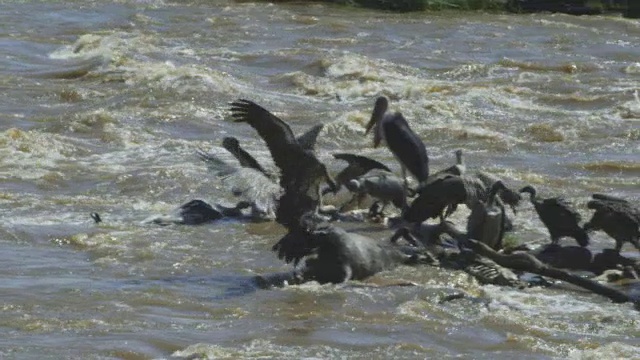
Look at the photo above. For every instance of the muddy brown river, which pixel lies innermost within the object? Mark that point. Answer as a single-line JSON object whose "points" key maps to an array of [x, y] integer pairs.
{"points": [[103, 106]]}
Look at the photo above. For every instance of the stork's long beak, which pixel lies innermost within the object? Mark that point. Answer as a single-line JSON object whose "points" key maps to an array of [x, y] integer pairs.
{"points": [[379, 109], [374, 119]]}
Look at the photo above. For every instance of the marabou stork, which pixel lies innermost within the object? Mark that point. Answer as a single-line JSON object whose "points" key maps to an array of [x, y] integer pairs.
{"points": [[406, 146]]}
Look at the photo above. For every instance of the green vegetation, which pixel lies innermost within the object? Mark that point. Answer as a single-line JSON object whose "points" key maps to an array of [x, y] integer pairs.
{"points": [[421, 5], [510, 242], [577, 7]]}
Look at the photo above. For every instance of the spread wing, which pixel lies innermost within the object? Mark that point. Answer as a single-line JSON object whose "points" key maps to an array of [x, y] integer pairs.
{"points": [[301, 171], [245, 159], [365, 163], [245, 182], [276, 133], [217, 165], [308, 139], [253, 186], [358, 166]]}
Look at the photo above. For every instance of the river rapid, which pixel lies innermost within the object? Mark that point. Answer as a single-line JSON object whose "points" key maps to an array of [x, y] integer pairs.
{"points": [[103, 106]]}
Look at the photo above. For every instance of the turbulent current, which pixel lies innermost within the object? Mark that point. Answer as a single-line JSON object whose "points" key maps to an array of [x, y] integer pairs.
{"points": [[104, 105]]}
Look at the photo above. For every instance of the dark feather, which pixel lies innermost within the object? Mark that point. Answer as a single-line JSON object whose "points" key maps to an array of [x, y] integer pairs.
{"points": [[617, 217], [445, 191], [406, 146], [357, 166], [301, 172], [278, 136], [245, 159], [559, 217], [308, 140], [362, 162]]}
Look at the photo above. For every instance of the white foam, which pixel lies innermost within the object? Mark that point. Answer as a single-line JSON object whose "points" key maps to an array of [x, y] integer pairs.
{"points": [[611, 351]]}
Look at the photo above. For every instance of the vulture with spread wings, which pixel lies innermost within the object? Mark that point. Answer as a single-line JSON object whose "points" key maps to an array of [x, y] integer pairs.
{"points": [[301, 173]]}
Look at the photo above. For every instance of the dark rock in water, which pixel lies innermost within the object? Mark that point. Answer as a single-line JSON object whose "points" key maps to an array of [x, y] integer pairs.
{"points": [[565, 257], [610, 259]]}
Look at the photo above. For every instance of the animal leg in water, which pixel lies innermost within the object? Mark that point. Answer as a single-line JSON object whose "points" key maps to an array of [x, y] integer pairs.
{"points": [[405, 189], [377, 210], [348, 273], [406, 234]]}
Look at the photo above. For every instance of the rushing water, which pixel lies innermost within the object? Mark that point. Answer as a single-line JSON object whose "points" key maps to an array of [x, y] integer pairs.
{"points": [[103, 107]]}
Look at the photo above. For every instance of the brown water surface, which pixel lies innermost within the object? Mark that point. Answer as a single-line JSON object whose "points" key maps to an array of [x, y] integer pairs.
{"points": [[102, 107]]}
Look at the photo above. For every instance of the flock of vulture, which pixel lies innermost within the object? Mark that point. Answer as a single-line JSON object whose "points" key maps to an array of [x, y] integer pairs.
{"points": [[293, 197]]}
